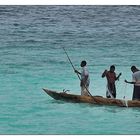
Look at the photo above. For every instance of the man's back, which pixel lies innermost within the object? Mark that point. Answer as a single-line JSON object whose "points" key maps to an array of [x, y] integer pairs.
{"points": [[111, 76]]}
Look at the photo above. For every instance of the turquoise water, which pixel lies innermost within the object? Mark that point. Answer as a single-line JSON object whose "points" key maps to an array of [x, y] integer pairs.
{"points": [[32, 58]]}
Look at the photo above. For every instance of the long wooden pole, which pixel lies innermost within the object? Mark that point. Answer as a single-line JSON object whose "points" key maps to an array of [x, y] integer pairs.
{"points": [[71, 63]]}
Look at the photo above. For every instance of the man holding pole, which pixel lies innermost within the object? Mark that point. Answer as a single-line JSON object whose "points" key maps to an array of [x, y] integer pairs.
{"points": [[85, 81]]}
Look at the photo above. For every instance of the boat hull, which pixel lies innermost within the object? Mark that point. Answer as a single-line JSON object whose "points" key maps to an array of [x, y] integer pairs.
{"points": [[98, 100]]}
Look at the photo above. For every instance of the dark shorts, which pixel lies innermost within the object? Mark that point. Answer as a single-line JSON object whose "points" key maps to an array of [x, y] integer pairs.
{"points": [[112, 89], [136, 93]]}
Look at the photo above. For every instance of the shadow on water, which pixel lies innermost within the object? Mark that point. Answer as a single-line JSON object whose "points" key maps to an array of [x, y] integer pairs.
{"points": [[109, 108], [106, 108], [57, 102]]}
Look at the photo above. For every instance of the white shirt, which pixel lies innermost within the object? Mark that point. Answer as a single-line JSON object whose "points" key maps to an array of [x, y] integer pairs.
{"points": [[136, 78], [85, 73]]}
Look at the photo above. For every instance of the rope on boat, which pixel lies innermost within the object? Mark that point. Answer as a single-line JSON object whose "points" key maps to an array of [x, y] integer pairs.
{"points": [[126, 103], [125, 90], [65, 90]]}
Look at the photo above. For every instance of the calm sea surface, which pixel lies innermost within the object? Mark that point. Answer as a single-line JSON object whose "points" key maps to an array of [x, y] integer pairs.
{"points": [[32, 58]]}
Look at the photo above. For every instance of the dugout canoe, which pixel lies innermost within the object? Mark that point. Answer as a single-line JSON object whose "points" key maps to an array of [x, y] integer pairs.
{"points": [[97, 100]]}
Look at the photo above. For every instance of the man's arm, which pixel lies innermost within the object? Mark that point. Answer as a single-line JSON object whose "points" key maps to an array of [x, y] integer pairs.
{"points": [[104, 73], [117, 78], [76, 71], [129, 82]]}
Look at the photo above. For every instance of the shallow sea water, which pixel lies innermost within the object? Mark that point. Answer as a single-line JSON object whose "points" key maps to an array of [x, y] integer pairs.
{"points": [[32, 58]]}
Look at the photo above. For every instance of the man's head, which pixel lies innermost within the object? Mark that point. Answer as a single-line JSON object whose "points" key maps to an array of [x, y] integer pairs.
{"points": [[112, 68], [83, 63], [134, 69]]}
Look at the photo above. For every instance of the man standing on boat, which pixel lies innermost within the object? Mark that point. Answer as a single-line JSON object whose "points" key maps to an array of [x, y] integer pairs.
{"points": [[136, 82], [84, 84], [111, 78]]}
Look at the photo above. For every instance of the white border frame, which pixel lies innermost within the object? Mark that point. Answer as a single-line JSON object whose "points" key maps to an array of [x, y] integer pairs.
{"points": [[70, 2]]}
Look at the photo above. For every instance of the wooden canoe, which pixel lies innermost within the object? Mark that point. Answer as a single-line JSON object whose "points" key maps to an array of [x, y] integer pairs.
{"points": [[98, 100]]}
